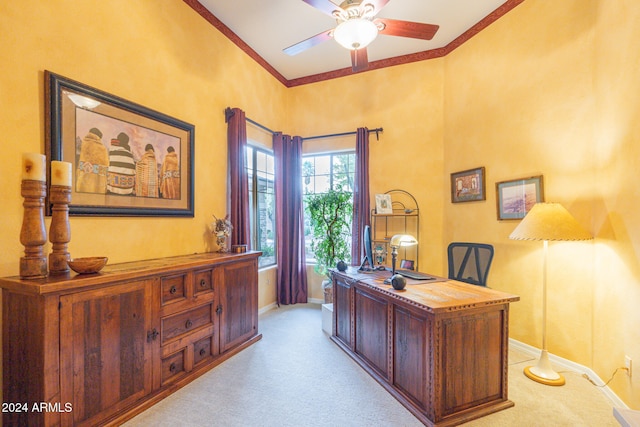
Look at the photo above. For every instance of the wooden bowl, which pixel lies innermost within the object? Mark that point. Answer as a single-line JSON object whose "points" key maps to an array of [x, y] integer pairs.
{"points": [[88, 265]]}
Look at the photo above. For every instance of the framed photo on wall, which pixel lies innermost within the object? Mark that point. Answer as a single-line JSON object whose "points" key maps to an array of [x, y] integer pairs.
{"points": [[468, 186], [516, 197], [127, 160]]}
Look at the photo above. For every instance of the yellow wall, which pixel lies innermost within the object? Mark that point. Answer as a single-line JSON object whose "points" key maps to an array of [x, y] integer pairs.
{"points": [[163, 56], [551, 88]]}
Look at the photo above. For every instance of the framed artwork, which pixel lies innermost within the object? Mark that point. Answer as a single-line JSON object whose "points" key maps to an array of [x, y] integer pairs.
{"points": [[383, 204], [407, 264], [516, 197], [468, 186], [127, 160]]}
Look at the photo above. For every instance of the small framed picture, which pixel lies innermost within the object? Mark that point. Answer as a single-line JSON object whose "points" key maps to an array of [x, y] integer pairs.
{"points": [[516, 197], [407, 264], [468, 186], [383, 204]]}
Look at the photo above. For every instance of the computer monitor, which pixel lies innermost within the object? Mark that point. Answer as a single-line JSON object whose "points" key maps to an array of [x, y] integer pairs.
{"points": [[368, 251]]}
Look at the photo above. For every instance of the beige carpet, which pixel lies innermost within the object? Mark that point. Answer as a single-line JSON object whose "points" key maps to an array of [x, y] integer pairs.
{"points": [[296, 376]]}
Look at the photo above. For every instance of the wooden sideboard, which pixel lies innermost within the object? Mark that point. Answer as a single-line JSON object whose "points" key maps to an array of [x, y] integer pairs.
{"points": [[440, 347], [97, 349]]}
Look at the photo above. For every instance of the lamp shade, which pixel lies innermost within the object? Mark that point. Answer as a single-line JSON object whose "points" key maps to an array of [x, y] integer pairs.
{"points": [[402, 240], [549, 221], [355, 33]]}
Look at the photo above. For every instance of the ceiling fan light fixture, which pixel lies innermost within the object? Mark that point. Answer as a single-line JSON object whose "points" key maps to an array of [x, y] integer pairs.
{"points": [[355, 33]]}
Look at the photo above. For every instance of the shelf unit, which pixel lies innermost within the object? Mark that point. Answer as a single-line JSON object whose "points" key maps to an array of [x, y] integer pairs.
{"points": [[405, 219]]}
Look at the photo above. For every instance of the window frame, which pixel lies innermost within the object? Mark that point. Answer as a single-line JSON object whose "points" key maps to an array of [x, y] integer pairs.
{"points": [[254, 208]]}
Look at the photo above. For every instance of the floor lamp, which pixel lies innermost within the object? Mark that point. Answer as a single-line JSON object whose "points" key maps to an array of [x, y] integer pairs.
{"points": [[547, 221]]}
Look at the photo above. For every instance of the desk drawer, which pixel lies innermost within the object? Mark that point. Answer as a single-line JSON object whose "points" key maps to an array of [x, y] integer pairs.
{"points": [[185, 322]]}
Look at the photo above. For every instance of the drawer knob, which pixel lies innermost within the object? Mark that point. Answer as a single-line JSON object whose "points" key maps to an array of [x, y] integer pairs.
{"points": [[202, 352], [203, 283], [172, 367], [188, 324], [173, 290]]}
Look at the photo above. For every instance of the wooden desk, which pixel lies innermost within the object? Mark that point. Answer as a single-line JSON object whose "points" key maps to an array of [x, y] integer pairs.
{"points": [[440, 347]]}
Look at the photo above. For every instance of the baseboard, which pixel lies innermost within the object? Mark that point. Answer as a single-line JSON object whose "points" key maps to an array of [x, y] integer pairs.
{"points": [[315, 301], [267, 308], [566, 364]]}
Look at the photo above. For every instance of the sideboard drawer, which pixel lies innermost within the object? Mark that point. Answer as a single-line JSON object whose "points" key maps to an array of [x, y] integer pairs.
{"points": [[203, 281], [172, 366], [185, 322], [202, 350], [174, 288]]}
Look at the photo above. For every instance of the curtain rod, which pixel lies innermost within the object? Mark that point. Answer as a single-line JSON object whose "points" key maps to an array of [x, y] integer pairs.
{"points": [[228, 111], [376, 130], [260, 126]]}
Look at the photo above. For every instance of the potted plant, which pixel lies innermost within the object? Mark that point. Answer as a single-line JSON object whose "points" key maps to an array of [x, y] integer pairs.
{"points": [[330, 220]]}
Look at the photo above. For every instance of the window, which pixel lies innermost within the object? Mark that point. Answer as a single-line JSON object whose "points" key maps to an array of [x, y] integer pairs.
{"points": [[260, 170], [320, 173]]}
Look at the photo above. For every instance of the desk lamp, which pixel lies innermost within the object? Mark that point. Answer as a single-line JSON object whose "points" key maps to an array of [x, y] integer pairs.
{"points": [[396, 241], [547, 221]]}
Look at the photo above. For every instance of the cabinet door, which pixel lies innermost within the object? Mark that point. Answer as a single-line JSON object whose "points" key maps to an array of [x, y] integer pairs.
{"points": [[411, 349], [238, 303], [342, 309], [371, 330], [107, 349]]}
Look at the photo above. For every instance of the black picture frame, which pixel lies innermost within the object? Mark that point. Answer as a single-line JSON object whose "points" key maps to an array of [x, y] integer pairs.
{"points": [[77, 114], [468, 185]]}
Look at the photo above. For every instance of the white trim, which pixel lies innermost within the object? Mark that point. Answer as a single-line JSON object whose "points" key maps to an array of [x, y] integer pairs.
{"points": [[572, 366], [315, 301], [267, 308]]}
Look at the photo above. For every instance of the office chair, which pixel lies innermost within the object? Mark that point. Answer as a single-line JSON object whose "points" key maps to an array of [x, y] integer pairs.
{"points": [[470, 262]]}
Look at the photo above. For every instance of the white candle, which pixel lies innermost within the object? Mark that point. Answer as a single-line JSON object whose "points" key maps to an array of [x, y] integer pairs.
{"points": [[60, 173], [34, 167]]}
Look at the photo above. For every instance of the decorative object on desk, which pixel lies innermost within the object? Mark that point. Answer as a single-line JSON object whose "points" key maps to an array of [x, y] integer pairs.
{"points": [[468, 186], [60, 230], [379, 254], [547, 221], [33, 235], [88, 265], [407, 264], [102, 135], [384, 205], [515, 198], [331, 215], [398, 282], [341, 266], [222, 230], [397, 241]]}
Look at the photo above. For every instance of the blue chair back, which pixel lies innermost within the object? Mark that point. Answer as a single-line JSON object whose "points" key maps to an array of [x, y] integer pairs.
{"points": [[470, 262]]}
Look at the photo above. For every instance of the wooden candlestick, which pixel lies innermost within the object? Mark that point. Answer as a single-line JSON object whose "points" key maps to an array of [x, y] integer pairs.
{"points": [[59, 231], [33, 234]]}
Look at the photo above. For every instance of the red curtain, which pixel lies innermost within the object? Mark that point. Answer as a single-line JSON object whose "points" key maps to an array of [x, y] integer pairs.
{"points": [[237, 180], [291, 285], [361, 200]]}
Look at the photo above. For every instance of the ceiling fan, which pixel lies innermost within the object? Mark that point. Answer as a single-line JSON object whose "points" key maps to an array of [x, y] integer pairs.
{"points": [[358, 26]]}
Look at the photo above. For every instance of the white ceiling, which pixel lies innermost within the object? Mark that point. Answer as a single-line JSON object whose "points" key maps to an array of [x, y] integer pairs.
{"points": [[270, 26]]}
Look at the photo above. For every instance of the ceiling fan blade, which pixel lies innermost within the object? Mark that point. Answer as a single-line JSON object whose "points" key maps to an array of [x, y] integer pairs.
{"points": [[325, 6], [414, 30], [359, 59], [308, 43]]}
